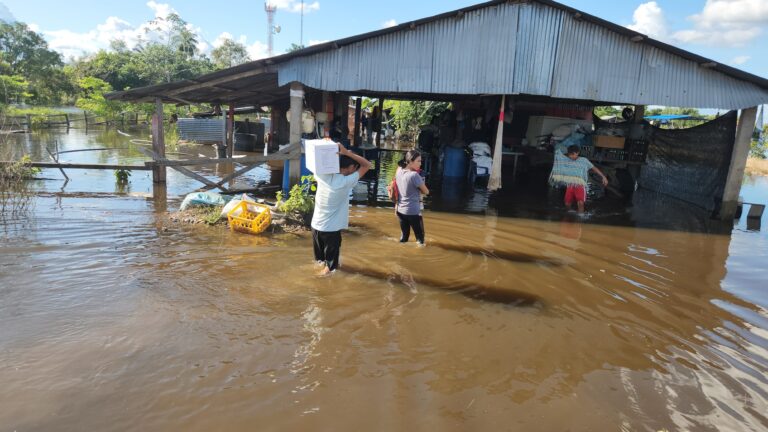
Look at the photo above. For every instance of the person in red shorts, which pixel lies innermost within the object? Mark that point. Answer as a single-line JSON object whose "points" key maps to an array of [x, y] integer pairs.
{"points": [[572, 170]]}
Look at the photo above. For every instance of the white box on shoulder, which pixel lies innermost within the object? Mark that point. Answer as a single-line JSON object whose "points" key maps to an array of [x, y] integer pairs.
{"points": [[322, 156]]}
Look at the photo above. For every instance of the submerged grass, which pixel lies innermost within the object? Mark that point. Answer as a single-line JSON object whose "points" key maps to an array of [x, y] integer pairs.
{"points": [[757, 166]]}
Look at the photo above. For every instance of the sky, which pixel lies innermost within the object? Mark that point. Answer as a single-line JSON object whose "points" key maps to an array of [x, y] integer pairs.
{"points": [[732, 32]]}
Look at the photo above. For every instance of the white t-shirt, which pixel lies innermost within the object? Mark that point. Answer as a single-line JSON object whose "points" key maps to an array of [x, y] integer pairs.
{"points": [[332, 201]]}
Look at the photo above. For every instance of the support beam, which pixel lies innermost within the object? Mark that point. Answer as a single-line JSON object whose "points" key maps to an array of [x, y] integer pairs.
{"points": [[358, 111], [158, 142], [214, 82], [744, 130], [381, 121], [230, 128], [297, 104]]}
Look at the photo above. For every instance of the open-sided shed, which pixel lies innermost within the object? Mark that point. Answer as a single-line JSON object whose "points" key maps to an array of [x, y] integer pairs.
{"points": [[524, 49]]}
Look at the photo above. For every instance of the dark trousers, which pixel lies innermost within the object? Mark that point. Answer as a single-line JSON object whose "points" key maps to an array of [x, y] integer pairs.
{"points": [[327, 247], [411, 221]]}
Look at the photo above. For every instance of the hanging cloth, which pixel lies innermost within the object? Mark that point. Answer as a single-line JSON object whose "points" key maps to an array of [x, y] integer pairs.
{"points": [[494, 182]]}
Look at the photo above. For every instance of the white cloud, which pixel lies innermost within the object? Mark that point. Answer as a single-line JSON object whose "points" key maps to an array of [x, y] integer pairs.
{"points": [[257, 50], [317, 42], [34, 27], [649, 20], [161, 10], [295, 5], [72, 44], [389, 23], [730, 23], [727, 38], [729, 13], [740, 60]]}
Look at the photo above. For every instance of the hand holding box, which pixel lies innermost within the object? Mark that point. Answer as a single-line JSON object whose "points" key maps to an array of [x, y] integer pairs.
{"points": [[322, 156]]}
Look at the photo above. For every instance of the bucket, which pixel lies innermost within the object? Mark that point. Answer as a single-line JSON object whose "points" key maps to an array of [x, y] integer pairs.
{"points": [[454, 162]]}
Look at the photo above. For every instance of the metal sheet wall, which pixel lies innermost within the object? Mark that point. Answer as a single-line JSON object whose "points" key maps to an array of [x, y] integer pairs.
{"points": [[521, 48], [194, 129]]}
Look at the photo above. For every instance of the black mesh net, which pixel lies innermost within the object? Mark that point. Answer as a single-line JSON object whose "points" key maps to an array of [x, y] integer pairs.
{"points": [[691, 164], [688, 164]]}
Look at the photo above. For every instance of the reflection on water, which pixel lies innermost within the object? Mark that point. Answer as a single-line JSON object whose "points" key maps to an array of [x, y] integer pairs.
{"points": [[114, 319]]}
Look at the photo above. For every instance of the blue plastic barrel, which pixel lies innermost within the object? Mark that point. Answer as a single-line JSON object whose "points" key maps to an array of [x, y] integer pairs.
{"points": [[287, 169], [454, 162]]}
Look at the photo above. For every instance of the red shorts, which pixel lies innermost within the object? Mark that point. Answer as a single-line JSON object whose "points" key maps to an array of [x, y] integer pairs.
{"points": [[575, 193]]}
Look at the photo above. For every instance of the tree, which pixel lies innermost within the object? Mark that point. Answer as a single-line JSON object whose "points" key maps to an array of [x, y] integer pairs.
{"points": [[409, 116], [27, 55], [294, 47], [92, 97], [229, 54]]}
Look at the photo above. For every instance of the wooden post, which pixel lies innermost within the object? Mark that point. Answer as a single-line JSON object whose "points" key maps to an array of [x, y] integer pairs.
{"points": [[66, 117], [358, 111], [381, 121], [158, 142], [85, 116], [297, 103], [29, 122], [743, 139], [230, 128]]}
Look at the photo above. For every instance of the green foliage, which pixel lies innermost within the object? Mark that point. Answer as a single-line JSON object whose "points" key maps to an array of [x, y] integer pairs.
{"points": [[13, 88], [408, 116], [26, 54], [300, 198], [92, 98], [675, 111], [294, 47], [229, 54], [122, 175], [17, 171], [605, 111], [759, 148]]}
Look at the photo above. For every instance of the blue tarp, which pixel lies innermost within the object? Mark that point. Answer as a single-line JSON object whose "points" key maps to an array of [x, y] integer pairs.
{"points": [[669, 117]]}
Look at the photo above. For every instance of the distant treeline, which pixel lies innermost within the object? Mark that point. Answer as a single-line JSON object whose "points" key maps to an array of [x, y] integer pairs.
{"points": [[33, 74]]}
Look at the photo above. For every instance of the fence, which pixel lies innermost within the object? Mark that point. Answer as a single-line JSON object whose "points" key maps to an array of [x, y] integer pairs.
{"points": [[48, 121]]}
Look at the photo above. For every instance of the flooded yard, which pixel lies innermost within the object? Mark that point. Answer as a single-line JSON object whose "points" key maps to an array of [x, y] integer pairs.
{"points": [[512, 317]]}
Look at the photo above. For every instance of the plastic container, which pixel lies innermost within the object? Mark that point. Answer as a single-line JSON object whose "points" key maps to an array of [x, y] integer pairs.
{"points": [[287, 169], [454, 162], [243, 218]]}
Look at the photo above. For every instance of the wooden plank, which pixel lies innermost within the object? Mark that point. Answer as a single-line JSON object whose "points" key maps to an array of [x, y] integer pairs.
{"points": [[83, 165], [212, 83], [244, 160], [755, 211], [232, 176], [199, 178]]}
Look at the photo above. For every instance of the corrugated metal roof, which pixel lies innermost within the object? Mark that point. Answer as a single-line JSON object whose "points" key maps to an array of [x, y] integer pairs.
{"points": [[534, 47], [526, 48]]}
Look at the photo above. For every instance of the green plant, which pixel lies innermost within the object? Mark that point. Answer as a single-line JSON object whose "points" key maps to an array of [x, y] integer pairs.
{"points": [[121, 175], [300, 197], [17, 171]]}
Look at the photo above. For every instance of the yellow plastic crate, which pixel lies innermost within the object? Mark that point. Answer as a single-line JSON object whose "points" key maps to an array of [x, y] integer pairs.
{"points": [[247, 221]]}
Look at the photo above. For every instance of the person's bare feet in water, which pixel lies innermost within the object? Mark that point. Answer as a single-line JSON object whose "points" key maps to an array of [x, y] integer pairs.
{"points": [[325, 271]]}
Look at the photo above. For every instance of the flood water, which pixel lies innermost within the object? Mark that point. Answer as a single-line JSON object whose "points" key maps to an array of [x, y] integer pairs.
{"points": [[114, 318]]}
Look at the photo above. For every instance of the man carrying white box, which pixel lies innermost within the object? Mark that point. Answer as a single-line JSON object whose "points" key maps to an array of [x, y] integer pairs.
{"points": [[332, 199]]}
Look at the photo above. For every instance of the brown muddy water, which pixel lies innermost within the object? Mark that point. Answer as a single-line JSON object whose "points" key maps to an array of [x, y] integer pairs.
{"points": [[114, 319]]}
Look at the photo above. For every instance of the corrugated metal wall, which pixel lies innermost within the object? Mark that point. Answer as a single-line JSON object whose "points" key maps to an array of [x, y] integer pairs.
{"points": [[525, 48], [194, 129]]}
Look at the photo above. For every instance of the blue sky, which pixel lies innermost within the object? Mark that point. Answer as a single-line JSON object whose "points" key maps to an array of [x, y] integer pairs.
{"points": [[733, 32]]}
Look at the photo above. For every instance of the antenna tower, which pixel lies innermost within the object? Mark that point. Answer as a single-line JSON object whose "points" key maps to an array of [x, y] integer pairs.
{"points": [[270, 9]]}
